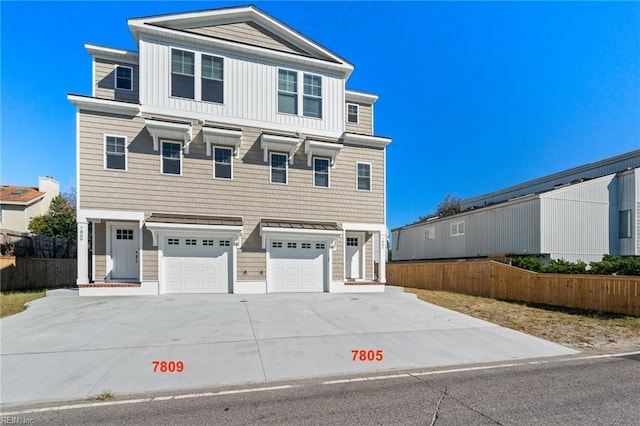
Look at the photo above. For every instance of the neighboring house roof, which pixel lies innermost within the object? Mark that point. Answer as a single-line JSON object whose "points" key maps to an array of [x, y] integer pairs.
{"points": [[20, 195]]}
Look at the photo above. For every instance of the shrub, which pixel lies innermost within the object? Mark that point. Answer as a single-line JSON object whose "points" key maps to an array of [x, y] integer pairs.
{"points": [[528, 262], [561, 266]]}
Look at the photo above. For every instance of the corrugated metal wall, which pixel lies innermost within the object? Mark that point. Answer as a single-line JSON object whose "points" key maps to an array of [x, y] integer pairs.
{"points": [[627, 188]]}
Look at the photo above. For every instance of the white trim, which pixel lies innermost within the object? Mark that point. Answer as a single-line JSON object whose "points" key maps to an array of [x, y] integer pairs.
{"points": [[457, 225], [216, 136], [360, 235], [93, 251], [360, 97], [357, 113], [322, 149], [115, 77], [162, 158], [103, 105], [370, 176], [196, 62], [315, 235], [104, 152], [167, 130], [93, 76], [89, 214], [363, 140], [159, 229], [286, 168], [22, 203], [214, 162], [328, 172], [278, 144], [111, 53], [250, 287], [364, 227]]}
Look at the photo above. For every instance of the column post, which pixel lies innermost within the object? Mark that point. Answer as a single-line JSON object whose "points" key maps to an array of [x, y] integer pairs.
{"points": [[82, 253]]}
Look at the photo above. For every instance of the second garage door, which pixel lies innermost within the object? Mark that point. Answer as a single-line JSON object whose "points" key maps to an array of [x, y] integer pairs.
{"points": [[197, 265], [297, 266]]}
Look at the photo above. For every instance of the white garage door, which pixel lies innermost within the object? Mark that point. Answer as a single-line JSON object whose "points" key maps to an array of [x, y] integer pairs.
{"points": [[197, 265], [296, 266]]}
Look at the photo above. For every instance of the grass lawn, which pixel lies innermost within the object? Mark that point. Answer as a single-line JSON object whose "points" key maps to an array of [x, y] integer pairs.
{"points": [[575, 328], [13, 302]]}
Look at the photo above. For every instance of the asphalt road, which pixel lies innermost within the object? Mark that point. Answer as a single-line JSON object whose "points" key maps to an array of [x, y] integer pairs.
{"points": [[601, 391]]}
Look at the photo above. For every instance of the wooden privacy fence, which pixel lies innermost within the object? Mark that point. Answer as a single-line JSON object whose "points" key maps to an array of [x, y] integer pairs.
{"points": [[605, 293], [35, 273]]}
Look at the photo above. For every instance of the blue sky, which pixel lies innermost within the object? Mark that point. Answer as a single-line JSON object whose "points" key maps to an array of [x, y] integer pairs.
{"points": [[476, 96]]}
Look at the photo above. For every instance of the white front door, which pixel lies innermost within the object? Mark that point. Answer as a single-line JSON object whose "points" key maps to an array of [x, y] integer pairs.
{"points": [[124, 252], [296, 266], [353, 256]]}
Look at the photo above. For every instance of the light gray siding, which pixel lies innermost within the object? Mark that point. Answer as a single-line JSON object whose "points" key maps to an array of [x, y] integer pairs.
{"points": [[250, 194], [627, 183], [250, 94], [104, 81], [365, 120]]}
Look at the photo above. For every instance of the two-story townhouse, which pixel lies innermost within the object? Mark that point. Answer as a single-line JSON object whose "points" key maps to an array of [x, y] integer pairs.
{"points": [[226, 155]]}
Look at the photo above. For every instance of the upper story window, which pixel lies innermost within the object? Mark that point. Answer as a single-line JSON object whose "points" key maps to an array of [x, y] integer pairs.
{"points": [[287, 92], [352, 113], [278, 168], [171, 158], [364, 176], [321, 172], [124, 77], [312, 99], [182, 74], [222, 167], [289, 95], [115, 152], [624, 229], [457, 228], [212, 79]]}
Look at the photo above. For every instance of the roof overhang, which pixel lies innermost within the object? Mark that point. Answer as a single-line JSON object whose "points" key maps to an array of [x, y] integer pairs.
{"points": [[311, 231], [169, 130], [121, 55], [278, 143], [186, 225], [104, 105], [225, 137], [364, 140], [360, 97], [22, 203], [321, 149]]}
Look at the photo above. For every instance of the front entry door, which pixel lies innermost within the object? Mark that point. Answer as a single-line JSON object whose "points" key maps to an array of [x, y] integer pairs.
{"points": [[124, 252], [353, 256]]}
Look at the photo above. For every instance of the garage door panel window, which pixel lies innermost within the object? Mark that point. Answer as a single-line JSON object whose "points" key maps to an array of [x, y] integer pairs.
{"points": [[291, 245], [320, 246], [173, 241], [207, 242], [276, 244], [190, 242], [225, 243]]}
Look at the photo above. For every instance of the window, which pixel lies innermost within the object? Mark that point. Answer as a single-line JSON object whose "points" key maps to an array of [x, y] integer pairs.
{"points": [[430, 233], [190, 242], [352, 241], [182, 71], [124, 77], [364, 176], [207, 242], [312, 99], [124, 234], [352, 113], [292, 245], [457, 228], [171, 158], [278, 168], [114, 151], [222, 163], [319, 246], [225, 243], [276, 244], [321, 172], [212, 79], [287, 92], [305, 245], [173, 241], [624, 229]]}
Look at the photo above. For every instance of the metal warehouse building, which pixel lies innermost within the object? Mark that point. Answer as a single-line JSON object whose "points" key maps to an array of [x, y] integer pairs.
{"points": [[578, 214]]}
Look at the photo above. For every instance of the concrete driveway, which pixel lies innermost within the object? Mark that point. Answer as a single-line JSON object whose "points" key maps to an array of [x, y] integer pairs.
{"points": [[65, 347]]}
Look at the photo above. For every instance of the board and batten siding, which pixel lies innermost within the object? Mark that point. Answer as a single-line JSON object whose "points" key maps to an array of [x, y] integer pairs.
{"points": [[250, 93], [249, 195], [575, 221], [364, 126], [104, 81]]}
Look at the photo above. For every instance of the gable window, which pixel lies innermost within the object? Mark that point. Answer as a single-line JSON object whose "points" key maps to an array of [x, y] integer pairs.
{"points": [[364, 176], [182, 74], [222, 163], [624, 229], [124, 77], [171, 158], [352, 113], [278, 168], [457, 228], [287, 92], [321, 172], [212, 79], [115, 154], [312, 98]]}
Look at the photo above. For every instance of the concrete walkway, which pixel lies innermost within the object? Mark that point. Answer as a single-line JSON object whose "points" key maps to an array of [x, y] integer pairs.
{"points": [[67, 347]]}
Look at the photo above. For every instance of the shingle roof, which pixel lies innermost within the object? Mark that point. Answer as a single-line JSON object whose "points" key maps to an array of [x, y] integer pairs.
{"points": [[299, 224], [195, 219], [19, 194]]}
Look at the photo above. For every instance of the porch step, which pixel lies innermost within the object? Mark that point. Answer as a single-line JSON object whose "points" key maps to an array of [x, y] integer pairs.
{"points": [[363, 283], [108, 285]]}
